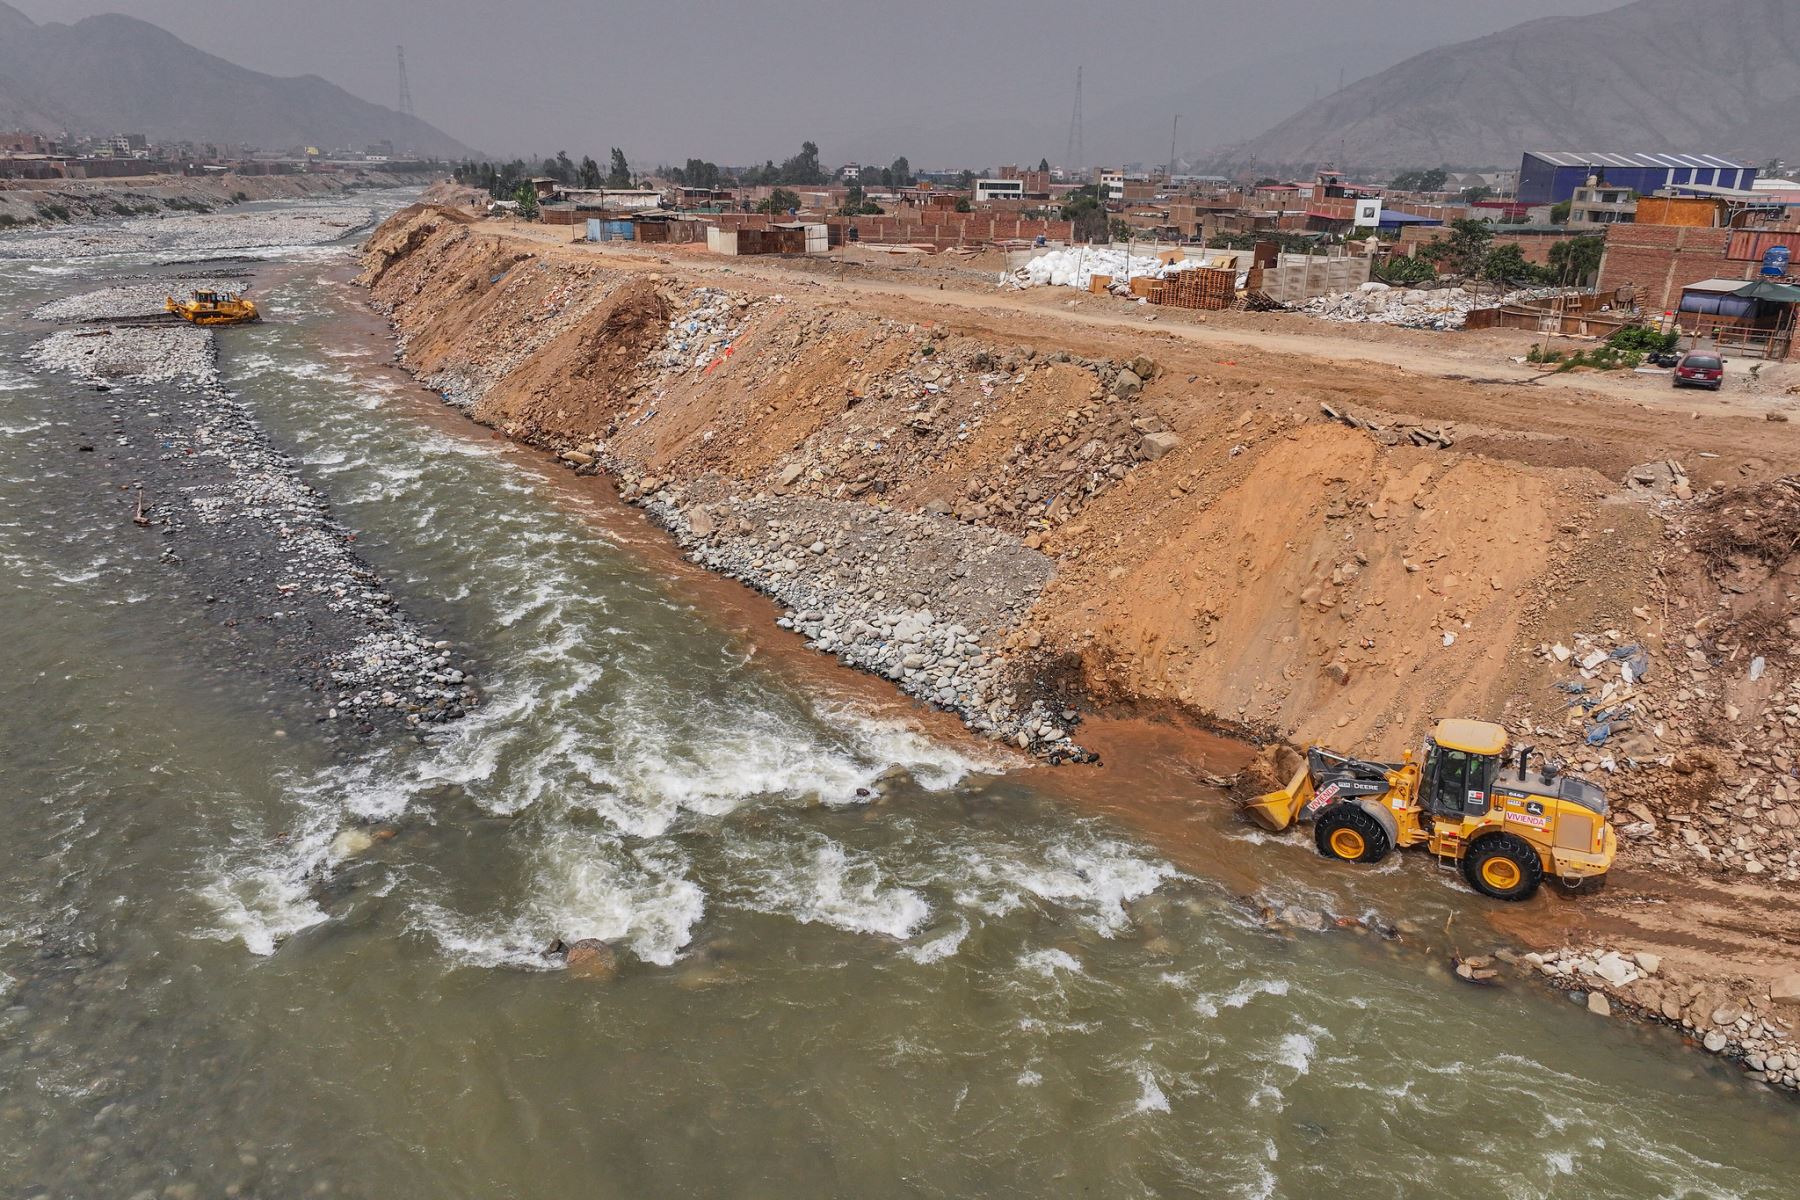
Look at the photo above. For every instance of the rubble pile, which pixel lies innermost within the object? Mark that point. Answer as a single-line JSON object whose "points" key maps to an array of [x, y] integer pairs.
{"points": [[706, 332], [1695, 728], [1755, 1026], [1376, 303], [1077, 266], [917, 598], [948, 392]]}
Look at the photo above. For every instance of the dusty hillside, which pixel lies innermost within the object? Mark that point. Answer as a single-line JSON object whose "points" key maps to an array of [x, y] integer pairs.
{"points": [[1602, 82], [1018, 519], [110, 72]]}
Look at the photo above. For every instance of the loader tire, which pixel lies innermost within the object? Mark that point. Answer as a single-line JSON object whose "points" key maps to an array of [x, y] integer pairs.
{"points": [[1347, 833], [1504, 866]]}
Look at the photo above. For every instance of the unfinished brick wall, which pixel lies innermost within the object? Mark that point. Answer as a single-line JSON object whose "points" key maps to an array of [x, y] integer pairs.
{"points": [[1660, 260], [1535, 247]]}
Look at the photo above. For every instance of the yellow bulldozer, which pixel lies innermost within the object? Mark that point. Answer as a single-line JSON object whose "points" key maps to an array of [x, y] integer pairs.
{"points": [[1466, 802], [214, 308]]}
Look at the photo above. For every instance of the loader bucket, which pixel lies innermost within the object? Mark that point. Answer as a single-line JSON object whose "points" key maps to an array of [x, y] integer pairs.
{"points": [[1275, 811]]}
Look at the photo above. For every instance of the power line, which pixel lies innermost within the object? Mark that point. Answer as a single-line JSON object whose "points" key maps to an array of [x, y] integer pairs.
{"points": [[406, 104], [1075, 154]]}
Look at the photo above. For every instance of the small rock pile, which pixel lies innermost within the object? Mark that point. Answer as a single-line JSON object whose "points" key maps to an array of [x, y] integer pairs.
{"points": [[1756, 1028]]}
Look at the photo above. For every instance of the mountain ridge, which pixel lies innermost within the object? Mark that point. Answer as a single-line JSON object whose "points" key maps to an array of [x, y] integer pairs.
{"points": [[1651, 75], [112, 73]]}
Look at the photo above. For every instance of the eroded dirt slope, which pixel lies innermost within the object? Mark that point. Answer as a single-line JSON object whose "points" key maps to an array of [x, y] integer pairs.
{"points": [[1212, 541]]}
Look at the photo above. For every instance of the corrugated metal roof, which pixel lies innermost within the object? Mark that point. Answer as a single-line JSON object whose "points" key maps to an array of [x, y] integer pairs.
{"points": [[1724, 286], [1595, 158]]}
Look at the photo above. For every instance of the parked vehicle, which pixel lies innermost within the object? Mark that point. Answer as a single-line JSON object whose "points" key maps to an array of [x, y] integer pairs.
{"points": [[1700, 369]]}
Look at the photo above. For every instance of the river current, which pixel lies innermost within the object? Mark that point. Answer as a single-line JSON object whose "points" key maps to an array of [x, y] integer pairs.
{"points": [[860, 955]]}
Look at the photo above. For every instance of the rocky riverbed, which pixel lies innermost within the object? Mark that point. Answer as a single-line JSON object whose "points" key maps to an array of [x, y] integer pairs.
{"points": [[188, 463], [128, 298], [170, 237]]}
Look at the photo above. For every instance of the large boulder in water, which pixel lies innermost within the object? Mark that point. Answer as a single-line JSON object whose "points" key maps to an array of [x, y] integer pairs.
{"points": [[591, 958]]}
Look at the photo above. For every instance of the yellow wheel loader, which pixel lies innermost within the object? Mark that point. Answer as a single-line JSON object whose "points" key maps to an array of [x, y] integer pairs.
{"points": [[214, 308], [1506, 826]]}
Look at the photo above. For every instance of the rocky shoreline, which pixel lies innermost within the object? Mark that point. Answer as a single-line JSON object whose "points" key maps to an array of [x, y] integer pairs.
{"points": [[1747, 1026]]}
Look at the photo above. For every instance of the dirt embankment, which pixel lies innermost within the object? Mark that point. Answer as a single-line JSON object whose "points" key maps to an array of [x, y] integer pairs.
{"points": [[45, 202], [1018, 514]]}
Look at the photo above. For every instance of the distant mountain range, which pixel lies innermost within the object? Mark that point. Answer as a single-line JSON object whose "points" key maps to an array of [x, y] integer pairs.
{"points": [[115, 74], [1709, 76]]}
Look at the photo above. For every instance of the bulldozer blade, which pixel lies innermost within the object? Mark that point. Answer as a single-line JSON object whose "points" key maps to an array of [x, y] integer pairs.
{"points": [[1276, 810]]}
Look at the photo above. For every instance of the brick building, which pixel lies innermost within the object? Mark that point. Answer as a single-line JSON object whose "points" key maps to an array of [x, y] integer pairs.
{"points": [[1662, 259]]}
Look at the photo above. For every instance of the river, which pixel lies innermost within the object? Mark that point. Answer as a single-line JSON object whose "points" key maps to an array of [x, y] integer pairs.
{"points": [[859, 954]]}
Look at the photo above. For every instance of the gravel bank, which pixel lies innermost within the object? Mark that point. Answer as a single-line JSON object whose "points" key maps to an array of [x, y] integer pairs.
{"points": [[124, 301], [258, 544], [197, 233], [917, 598]]}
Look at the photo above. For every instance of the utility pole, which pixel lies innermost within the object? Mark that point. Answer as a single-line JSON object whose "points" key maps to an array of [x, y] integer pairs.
{"points": [[1172, 133], [406, 104], [1075, 153]]}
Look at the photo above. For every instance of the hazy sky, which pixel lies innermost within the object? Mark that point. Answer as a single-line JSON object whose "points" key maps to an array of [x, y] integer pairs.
{"points": [[942, 81]]}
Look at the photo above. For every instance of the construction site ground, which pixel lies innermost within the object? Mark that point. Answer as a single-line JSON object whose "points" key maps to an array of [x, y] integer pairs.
{"points": [[1268, 550]]}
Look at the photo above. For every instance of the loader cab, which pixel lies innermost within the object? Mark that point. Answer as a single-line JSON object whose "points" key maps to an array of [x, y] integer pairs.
{"points": [[1461, 760]]}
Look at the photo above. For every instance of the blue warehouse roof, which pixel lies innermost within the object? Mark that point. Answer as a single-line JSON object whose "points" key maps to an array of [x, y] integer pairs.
{"points": [[1595, 158]]}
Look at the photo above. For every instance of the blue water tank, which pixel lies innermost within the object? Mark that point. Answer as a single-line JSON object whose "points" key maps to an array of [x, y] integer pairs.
{"points": [[1775, 262]]}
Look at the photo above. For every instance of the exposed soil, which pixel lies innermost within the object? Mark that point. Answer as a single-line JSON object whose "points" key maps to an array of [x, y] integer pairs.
{"points": [[1220, 546]]}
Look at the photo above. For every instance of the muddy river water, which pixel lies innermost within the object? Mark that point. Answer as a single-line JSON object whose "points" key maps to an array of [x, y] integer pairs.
{"points": [[858, 955]]}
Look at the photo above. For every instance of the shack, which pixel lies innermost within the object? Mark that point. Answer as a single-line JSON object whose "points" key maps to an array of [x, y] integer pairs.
{"points": [[1752, 319], [783, 238], [610, 229]]}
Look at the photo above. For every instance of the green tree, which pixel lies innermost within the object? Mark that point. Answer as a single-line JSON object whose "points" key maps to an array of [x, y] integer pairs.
{"points": [[565, 168], [588, 174], [780, 201], [1506, 264], [900, 172], [1476, 194], [803, 168], [1465, 251], [963, 205], [698, 173], [1576, 261], [526, 195], [1082, 207], [619, 174], [1432, 180], [1402, 271], [1119, 230], [1044, 165], [1559, 213]]}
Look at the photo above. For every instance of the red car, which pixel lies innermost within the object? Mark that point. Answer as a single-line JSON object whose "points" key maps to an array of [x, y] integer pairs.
{"points": [[1700, 370]]}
